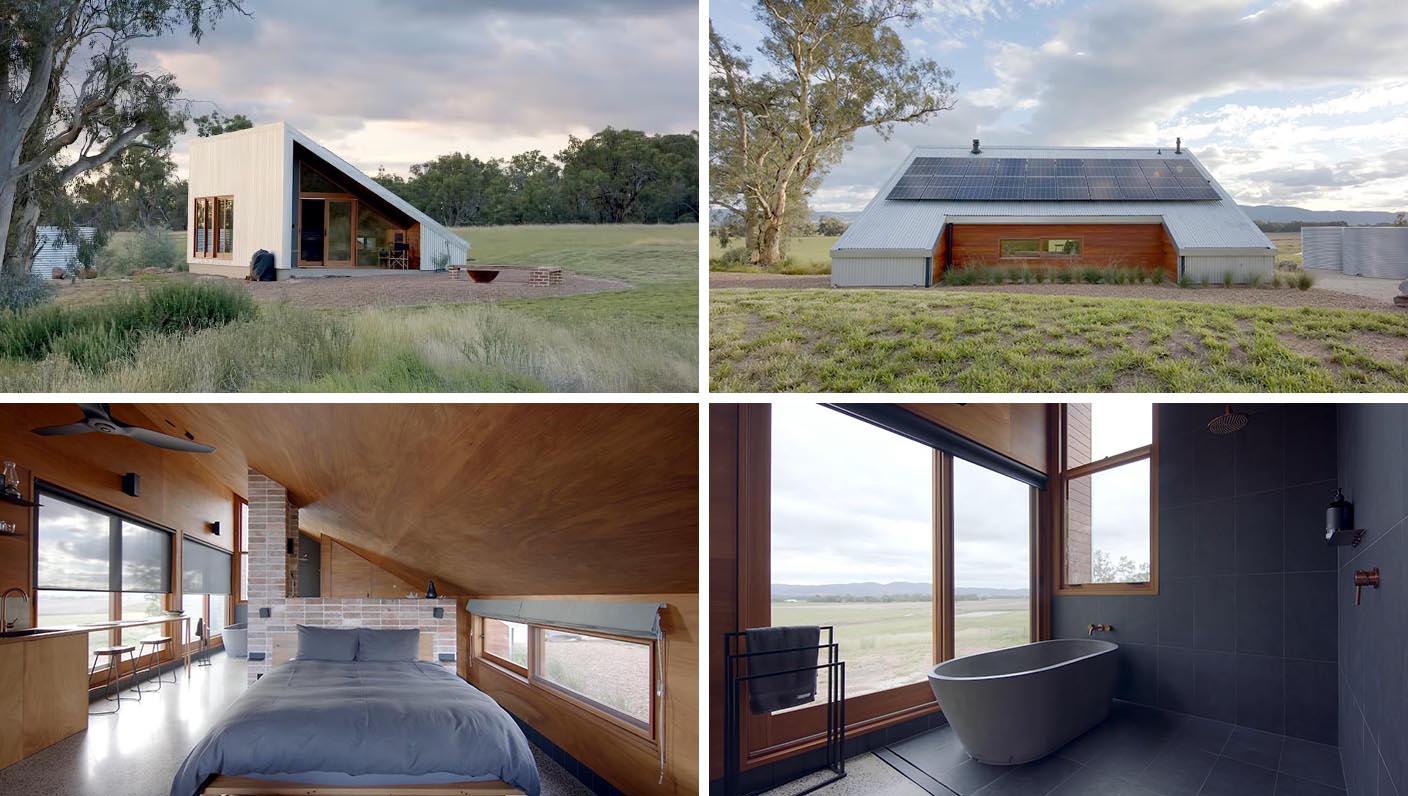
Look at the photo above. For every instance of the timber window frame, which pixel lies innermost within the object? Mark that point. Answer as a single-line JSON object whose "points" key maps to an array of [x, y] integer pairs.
{"points": [[213, 228], [1069, 473]]}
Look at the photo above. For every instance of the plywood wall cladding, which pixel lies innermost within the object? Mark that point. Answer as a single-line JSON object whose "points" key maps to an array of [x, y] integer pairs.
{"points": [[1014, 430], [1121, 245], [498, 498]]}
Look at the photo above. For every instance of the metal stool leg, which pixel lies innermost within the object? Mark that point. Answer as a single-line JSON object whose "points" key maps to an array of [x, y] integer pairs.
{"points": [[92, 669], [132, 656], [155, 661]]}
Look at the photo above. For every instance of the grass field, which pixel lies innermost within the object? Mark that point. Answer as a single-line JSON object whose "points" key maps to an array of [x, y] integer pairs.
{"points": [[912, 341], [886, 645], [640, 340], [1287, 246], [810, 254]]}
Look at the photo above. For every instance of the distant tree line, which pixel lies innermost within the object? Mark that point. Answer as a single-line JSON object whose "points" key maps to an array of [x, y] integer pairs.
{"points": [[613, 177], [1399, 220]]}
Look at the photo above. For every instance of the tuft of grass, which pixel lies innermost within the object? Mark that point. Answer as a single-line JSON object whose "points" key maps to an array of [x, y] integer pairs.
{"points": [[19, 292], [1228, 278], [1255, 280], [1304, 280], [1157, 276], [1090, 275]]}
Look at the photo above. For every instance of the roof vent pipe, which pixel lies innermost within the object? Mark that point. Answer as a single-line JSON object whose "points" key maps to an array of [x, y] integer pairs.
{"points": [[976, 150], [1178, 146]]}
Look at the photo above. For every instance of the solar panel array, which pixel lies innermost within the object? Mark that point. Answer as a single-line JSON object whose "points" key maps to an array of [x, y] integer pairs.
{"points": [[1053, 180]]}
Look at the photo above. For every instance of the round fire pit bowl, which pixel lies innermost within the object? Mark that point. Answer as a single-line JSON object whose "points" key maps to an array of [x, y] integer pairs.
{"points": [[483, 275]]}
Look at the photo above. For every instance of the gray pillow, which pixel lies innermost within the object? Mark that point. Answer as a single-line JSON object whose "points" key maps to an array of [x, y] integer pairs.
{"points": [[327, 643], [388, 645]]}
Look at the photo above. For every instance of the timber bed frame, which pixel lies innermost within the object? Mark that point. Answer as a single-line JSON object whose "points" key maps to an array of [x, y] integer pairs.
{"points": [[243, 786]]}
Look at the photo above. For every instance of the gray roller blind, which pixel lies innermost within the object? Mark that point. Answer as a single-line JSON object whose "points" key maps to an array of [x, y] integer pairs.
{"points": [[204, 570], [84, 547], [146, 559], [636, 620]]}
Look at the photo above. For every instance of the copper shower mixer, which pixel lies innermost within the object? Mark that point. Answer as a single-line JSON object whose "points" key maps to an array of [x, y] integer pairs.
{"points": [[1365, 577]]}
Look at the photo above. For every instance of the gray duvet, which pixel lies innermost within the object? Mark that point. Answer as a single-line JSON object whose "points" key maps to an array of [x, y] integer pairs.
{"points": [[406, 718]]}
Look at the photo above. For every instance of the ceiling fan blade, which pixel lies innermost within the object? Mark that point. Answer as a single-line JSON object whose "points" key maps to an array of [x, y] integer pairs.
{"points": [[96, 411], [63, 431], [160, 440]]}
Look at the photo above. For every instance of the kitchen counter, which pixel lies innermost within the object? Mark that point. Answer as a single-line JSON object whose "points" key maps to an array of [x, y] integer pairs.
{"points": [[31, 634]]}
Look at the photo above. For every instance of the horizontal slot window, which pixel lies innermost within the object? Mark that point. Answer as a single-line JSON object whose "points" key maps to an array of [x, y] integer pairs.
{"points": [[606, 674]]}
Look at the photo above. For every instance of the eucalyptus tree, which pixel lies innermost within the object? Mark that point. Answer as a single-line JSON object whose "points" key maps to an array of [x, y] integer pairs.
{"points": [[831, 69], [72, 97]]}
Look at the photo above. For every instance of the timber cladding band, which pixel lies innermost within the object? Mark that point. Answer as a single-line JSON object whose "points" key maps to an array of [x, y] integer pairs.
{"points": [[1101, 245]]}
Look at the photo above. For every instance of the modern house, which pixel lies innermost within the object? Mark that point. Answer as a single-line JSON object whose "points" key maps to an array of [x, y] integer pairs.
{"points": [[272, 187], [1054, 207], [1380, 252], [488, 599], [1058, 599]]}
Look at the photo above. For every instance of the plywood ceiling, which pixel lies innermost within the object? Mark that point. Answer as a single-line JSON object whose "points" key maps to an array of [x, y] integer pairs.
{"points": [[496, 498]]}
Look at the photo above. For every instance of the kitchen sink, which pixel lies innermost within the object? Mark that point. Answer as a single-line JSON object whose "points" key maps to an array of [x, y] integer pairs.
{"points": [[31, 631]]}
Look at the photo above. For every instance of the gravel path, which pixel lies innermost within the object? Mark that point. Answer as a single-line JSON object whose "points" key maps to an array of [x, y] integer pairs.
{"points": [[1279, 297], [381, 290]]}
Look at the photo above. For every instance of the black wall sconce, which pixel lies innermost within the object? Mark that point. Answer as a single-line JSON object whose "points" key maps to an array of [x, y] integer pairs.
{"points": [[1339, 523], [215, 528], [131, 484]]}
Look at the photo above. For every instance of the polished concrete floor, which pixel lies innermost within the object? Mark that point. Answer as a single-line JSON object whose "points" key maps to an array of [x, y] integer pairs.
{"points": [[1137, 752], [136, 751]]}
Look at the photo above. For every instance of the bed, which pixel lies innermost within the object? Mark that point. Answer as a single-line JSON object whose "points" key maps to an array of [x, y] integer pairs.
{"points": [[361, 727]]}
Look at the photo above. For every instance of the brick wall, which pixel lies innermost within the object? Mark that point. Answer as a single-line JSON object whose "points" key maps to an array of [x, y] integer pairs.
{"points": [[273, 574]]}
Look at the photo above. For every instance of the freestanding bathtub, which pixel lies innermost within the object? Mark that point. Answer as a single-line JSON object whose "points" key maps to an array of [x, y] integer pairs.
{"points": [[1020, 704]]}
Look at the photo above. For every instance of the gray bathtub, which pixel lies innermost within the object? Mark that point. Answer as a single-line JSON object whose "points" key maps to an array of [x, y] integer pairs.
{"points": [[1020, 704]]}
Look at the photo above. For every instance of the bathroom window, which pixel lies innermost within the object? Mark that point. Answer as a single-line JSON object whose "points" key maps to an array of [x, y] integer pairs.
{"points": [[1110, 530], [852, 542], [993, 518]]}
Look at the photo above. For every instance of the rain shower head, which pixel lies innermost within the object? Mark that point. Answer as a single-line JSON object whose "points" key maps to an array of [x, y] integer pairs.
{"points": [[1228, 422]]}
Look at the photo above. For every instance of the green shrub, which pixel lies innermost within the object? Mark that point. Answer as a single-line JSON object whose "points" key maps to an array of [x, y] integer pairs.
{"points": [[1255, 280], [1089, 275], [1157, 276], [150, 247], [1040, 275], [993, 276], [735, 259], [960, 276], [1304, 280], [1065, 275], [1227, 279], [22, 291], [1186, 281]]}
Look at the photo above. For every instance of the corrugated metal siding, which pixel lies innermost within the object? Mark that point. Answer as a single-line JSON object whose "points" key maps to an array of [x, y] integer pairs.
{"points": [[915, 224], [878, 271], [1215, 266], [255, 167], [433, 242], [54, 252], [1322, 247], [1380, 252]]}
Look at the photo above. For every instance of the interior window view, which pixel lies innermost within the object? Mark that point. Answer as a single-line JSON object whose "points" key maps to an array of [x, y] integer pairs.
{"points": [[349, 600], [1114, 597]]}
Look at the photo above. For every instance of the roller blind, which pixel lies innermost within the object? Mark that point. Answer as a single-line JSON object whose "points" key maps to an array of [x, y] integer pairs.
{"points": [[204, 570], [146, 559], [84, 547], [635, 620]]}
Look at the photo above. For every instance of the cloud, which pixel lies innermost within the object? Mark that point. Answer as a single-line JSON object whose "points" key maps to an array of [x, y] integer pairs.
{"points": [[1271, 100], [404, 80]]}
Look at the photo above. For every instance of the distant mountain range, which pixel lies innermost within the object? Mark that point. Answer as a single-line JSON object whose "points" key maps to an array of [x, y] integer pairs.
{"points": [[1284, 213], [787, 591]]}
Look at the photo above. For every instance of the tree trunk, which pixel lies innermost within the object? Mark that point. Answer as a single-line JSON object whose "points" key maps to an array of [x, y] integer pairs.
{"points": [[770, 243], [27, 236], [8, 265]]}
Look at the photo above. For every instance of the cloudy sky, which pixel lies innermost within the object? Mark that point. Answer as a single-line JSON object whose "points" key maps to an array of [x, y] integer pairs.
{"points": [[852, 503], [1300, 102], [395, 82]]}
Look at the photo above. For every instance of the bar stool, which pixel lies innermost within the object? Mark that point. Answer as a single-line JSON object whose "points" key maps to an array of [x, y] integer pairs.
{"points": [[114, 656], [154, 661]]}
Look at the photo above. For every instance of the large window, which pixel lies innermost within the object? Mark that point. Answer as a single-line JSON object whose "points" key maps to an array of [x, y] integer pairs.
{"points": [[608, 674], [1039, 247], [205, 585], [214, 227], [242, 533], [1109, 524], [94, 565], [611, 677], [992, 564], [852, 542]]}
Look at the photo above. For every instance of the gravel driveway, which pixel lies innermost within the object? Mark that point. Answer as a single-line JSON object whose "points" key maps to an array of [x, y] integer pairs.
{"points": [[1275, 297], [424, 287]]}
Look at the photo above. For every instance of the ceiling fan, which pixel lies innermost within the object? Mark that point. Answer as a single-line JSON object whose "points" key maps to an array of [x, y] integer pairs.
{"points": [[98, 417]]}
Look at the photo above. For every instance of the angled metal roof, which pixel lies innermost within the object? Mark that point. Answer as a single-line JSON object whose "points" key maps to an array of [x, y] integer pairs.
{"points": [[887, 226]]}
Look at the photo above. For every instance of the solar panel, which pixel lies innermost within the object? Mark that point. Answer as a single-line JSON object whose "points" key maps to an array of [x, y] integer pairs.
{"points": [[1052, 180]]}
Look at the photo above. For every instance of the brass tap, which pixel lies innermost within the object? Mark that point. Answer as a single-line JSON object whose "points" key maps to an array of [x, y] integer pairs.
{"points": [[1102, 628]]}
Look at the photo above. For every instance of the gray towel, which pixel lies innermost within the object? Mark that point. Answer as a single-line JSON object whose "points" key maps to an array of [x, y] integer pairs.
{"points": [[766, 694]]}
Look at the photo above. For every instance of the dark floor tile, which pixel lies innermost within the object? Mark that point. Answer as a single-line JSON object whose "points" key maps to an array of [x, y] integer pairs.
{"points": [[1287, 785], [1313, 761], [932, 752], [1178, 770], [924, 781], [1095, 742], [1235, 778], [1093, 783], [970, 776], [1254, 746], [1032, 779], [1207, 735]]}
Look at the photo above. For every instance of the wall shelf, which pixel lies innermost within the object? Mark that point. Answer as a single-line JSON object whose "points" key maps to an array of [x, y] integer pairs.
{"points": [[17, 501]]}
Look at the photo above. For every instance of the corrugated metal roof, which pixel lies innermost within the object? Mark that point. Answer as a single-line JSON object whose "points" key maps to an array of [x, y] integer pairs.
{"points": [[914, 225], [54, 252]]}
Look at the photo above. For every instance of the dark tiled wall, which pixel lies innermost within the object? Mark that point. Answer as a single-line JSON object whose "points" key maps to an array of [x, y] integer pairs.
{"points": [[1243, 628], [1373, 637]]}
